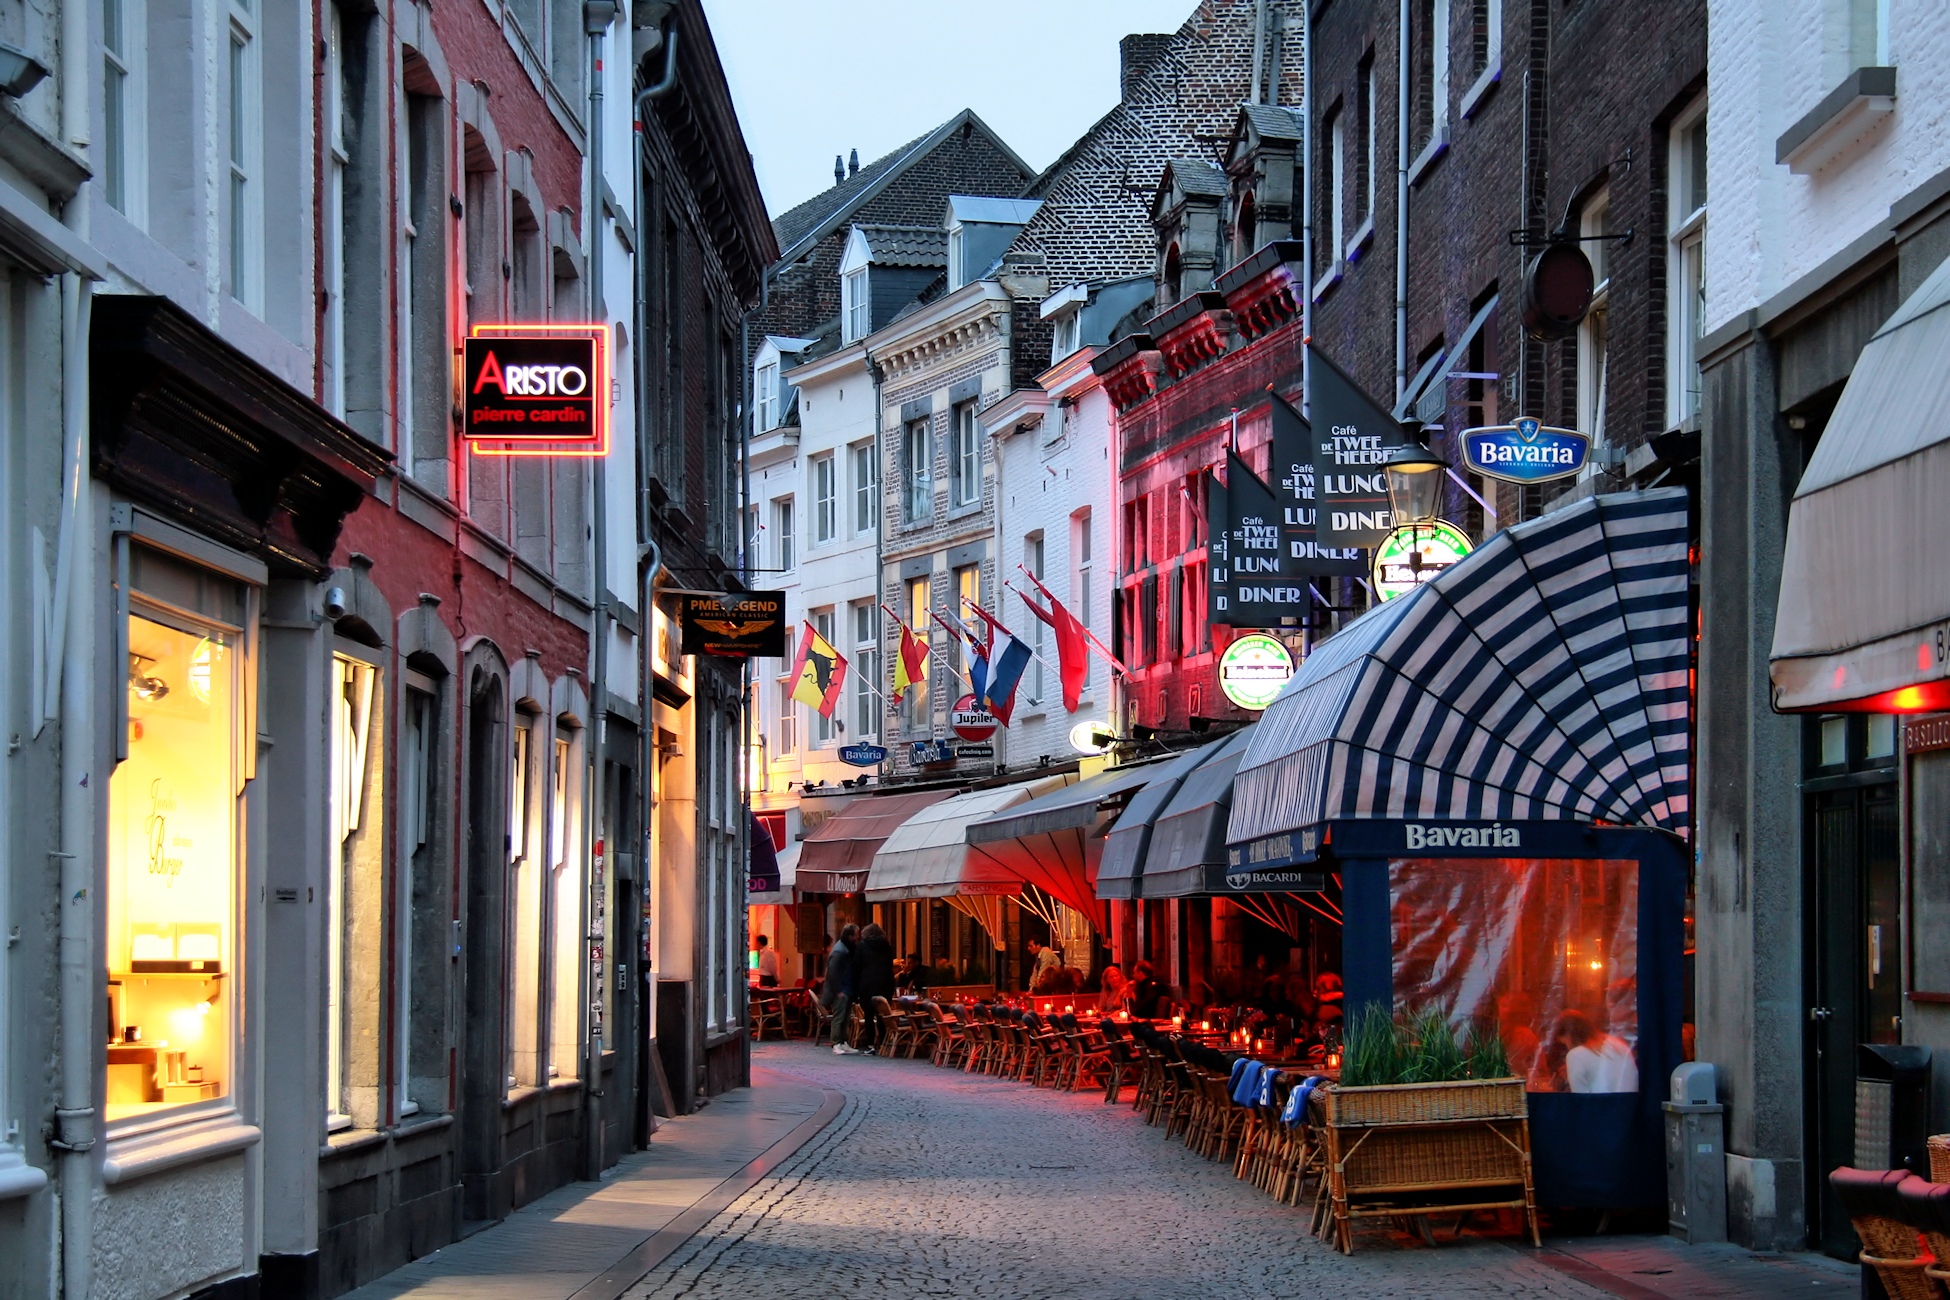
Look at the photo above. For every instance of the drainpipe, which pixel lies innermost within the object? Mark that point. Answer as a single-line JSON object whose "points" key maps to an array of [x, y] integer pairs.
{"points": [[74, 1117], [597, 16], [1401, 211], [1259, 51]]}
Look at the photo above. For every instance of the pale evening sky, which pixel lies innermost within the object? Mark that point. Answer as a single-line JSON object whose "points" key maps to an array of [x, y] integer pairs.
{"points": [[814, 78]]}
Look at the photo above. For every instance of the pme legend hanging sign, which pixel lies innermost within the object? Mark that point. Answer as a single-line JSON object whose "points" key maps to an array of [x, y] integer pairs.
{"points": [[1527, 451], [536, 390]]}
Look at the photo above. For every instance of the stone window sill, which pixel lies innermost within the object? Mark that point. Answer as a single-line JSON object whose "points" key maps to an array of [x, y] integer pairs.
{"points": [[1328, 279], [17, 1177], [1437, 146], [1363, 236], [137, 1155], [1480, 91], [1844, 115]]}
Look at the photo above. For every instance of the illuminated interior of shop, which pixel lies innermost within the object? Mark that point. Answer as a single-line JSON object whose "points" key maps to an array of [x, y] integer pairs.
{"points": [[172, 844]]}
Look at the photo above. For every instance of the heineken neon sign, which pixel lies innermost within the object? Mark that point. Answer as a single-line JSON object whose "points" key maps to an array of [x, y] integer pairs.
{"points": [[1415, 553]]}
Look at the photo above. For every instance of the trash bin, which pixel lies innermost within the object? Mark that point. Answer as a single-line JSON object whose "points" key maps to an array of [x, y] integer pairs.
{"points": [[1696, 1159], [1892, 1107]]}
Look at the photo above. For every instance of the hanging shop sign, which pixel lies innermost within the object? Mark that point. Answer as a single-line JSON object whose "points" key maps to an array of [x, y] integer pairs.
{"points": [[1526, 451], [1091, 738], [1253, 669], [928, 753], [970, 720], [733, 624], [863, 755], [1415, 553], [1353, 435], [535, 390]]}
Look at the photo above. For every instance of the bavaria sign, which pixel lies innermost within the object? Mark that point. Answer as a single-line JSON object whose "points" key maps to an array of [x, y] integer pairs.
{"points": [[1525, 452], [1253, 669], [535, 390], [863, 755]]}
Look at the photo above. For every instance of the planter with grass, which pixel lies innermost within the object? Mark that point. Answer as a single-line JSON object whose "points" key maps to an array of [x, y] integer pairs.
{"points": [[1422, 1124]]}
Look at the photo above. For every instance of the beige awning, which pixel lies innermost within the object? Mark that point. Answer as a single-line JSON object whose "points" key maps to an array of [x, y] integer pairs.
{"points": [[927, 856], [1863, 620]]}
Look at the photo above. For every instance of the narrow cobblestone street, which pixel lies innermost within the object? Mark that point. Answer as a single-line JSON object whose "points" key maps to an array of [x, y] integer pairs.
{"points": [[937, 1183]]}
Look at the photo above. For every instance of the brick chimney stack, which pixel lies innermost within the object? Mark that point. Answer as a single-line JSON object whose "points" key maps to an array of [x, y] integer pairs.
{"points": [[1136, 53]]}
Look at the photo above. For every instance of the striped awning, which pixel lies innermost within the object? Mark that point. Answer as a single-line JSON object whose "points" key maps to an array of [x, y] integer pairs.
{"points": [[1055, 841], [1543, 677], [928, 856]]}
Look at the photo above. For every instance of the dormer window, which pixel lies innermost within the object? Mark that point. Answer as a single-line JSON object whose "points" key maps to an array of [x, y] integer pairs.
{"points": [[957, 274], [767, 396], [856, 305]]}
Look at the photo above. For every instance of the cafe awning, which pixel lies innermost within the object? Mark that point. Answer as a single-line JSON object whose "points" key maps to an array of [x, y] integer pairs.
{"points": [[835, 858], [927, 855], [1127, 845], [1054, 841], [1543, 677], [1188, 840], [787, 892], [1864, 612]]}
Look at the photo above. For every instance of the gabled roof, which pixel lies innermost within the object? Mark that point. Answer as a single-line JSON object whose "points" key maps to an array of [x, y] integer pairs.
{"points": [[1194, 176], [824, 213], [1271, 121], [905, 245]]}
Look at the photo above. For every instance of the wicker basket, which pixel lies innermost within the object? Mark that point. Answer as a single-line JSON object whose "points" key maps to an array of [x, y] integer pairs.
{"points": [[1397, 1161], [1940, 1158], [1424, 1103]]}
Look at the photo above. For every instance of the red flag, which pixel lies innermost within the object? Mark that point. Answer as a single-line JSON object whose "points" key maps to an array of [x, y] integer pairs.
{"points": [[911, 668], [1072, 652]]}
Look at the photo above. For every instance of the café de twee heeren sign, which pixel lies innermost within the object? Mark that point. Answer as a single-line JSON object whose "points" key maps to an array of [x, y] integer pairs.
{"points": [[536, 390]]}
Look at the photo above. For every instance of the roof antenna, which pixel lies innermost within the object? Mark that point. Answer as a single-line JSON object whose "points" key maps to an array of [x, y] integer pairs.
{"points": [[839, 170], [853, 163]]}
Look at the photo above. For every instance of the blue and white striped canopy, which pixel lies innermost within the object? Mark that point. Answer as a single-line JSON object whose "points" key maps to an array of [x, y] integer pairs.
{"points": [[1543, 677]]}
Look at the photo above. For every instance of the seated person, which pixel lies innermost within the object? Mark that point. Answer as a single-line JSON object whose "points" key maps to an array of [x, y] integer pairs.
{"points": [[768, 964], [1114, 988], [910, 976], [1146, 993]]}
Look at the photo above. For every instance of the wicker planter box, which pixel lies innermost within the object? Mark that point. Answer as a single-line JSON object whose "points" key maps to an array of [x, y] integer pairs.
{"points": [[1411, 1150]]}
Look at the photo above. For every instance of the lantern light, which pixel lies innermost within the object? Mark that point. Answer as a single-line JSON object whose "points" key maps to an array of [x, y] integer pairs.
{"points": [[1414, 478]]}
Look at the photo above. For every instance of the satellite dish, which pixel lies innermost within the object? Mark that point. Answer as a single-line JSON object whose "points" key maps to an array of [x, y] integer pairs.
{"points": [[1556, 292]]}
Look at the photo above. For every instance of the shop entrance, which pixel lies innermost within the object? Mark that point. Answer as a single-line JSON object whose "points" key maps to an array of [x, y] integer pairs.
{"points": [[1853, 941], [483, 1074]]}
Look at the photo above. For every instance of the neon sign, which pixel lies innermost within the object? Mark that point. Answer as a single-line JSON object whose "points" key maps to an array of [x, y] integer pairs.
{"points": [[536, 390]]}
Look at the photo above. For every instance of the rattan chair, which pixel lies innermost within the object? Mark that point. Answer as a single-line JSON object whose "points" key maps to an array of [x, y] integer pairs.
{"points": [[767, 1011], [1925, 1206], [1891, 1247], [894, 1027]]}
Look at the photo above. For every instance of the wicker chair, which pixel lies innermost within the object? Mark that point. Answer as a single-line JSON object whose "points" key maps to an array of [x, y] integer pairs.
{"points": [[1925, 1206], [767, 1012], [1891, 1247], [1120, 1059], [950, 1036], [894, 1027]]}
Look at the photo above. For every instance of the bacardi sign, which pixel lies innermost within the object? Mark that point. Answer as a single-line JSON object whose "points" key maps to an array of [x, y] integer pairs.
{"points": [[539, 390]]}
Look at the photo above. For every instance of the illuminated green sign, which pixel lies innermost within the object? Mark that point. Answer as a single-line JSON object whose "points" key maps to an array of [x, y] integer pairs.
{"points": [[1253, 669], [1415, 553]]}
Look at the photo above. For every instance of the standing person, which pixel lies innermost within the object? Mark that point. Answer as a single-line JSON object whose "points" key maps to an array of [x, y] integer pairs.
{"points": [[873, 977], [768, 964], [836, 994]]}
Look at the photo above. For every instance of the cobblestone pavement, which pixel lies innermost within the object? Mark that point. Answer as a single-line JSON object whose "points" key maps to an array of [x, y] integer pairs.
{"points": [[935, 1183]]}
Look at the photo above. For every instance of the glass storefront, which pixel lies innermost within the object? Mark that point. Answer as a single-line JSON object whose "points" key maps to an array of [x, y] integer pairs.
{"points": [[174, 831]]}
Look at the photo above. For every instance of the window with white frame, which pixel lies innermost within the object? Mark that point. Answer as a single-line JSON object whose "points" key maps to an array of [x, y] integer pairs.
{"points": [[965, 464], [782, 539], [1485, 51], [1081, 564], [562, 963], [765, 388], [917, 709], [355, 708], [788, 732], [856, 309], [1337, 179], [826, 506], [1429, 110], [1686, 265], [332, 362], [1066, 338], [1032, 560], [418, 758], [866, 670], [917, 471], [957, 274], [124, 115], [866, 488], [243, 201], [1593, 334], [825, 729]]}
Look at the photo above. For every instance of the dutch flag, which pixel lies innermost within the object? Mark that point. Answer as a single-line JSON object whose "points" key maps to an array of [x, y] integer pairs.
{"points": [[1008, 657]]}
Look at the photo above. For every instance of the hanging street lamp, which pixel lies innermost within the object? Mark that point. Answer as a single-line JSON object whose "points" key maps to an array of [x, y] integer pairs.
{"points": [[1422, 544], [1414, 478]]}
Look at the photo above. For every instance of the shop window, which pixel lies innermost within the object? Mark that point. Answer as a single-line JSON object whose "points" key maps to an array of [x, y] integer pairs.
{"points": [[567, 877], [1929, 836], [352, 901], [527, 806], [917, 708], [419, 751], [173, 841], [1545, 950]]}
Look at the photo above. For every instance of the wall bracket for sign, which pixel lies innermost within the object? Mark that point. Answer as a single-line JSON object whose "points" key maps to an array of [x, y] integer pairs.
{"points": [[535, 390]]}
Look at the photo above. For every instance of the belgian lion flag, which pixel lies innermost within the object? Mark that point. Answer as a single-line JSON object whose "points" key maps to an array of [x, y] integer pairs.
{"points": [[818, 673]]}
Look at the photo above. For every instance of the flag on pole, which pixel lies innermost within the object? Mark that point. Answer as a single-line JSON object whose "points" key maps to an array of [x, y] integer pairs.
{"points": [[978, 655], [1008, 658], [911, 664], [1072, 652], [818, 673]]}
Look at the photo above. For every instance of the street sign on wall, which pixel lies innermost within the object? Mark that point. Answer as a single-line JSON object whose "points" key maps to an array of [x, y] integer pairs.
{"points": [[535, 390], [1525, 451]]}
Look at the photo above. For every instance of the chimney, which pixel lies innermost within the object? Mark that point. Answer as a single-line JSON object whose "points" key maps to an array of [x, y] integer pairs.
{"points": [[1136, 55], [839, 170], [853, 163]]}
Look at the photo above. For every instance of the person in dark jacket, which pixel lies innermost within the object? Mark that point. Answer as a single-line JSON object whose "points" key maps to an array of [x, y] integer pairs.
{"points": [[873, 977], [836, 994]]}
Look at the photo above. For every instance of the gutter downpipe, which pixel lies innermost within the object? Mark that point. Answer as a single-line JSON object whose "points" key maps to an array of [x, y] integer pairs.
{"points": [[1401, 211], [1306, 226], [598, 15], [647, 738], [1259, 51]]}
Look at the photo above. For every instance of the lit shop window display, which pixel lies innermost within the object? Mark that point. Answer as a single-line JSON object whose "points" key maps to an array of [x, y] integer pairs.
{"points": [[172, 858]]}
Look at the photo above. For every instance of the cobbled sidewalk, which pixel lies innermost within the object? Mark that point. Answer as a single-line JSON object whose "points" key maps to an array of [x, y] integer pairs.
{"points": [[937, 1183]]}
